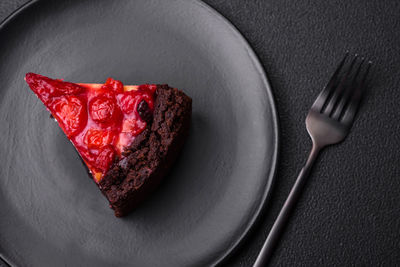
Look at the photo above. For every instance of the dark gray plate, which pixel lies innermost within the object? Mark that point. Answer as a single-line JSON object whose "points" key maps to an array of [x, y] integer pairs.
{"points": [[51, 213]]}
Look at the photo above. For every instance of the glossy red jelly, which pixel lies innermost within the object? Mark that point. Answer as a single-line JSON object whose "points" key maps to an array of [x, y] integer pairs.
{"points": [[100, 120]]}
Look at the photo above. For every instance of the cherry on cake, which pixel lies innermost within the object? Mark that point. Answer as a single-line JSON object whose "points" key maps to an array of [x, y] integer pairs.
{"points": [[128, 136]]}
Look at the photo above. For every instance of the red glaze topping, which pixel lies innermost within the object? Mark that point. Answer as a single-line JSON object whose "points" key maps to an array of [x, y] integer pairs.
{"points": [[71, 111], [104, 110], [100, 120]]}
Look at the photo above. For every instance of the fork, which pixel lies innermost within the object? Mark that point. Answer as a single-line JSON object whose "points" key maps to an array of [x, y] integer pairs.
{"points": [[328, 122]]}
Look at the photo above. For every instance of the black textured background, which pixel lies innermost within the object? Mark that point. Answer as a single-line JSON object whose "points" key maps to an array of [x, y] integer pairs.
{"points": [[349, 214]]}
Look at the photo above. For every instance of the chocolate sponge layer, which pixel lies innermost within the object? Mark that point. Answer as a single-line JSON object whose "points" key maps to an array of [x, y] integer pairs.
{"points": [[140, 169]]}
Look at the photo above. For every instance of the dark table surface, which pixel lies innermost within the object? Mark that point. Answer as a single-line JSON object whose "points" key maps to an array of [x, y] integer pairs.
{"points": [[349, 213]]}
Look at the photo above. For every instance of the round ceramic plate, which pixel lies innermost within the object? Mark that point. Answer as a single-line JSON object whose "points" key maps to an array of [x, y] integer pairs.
{"points": [[52, 213]]}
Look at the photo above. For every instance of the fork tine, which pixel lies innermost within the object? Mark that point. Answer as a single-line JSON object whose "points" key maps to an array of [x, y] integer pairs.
{"points": [[338, 90], [319, 102], [347, 94], [352, 107]]}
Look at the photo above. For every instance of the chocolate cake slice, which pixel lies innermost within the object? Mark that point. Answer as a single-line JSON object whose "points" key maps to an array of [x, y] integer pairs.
{"points": [[127, 136], [152, 153]]}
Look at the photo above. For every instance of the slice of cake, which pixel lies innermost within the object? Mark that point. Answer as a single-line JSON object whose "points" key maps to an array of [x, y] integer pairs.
{"points": [[127, 136]]}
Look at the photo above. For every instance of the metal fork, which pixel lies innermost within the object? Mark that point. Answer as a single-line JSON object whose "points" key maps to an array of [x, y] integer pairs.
{"points": [[328, 122]]}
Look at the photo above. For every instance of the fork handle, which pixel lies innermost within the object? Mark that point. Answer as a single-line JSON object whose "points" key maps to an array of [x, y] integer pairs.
{"points": [[283, 217]]}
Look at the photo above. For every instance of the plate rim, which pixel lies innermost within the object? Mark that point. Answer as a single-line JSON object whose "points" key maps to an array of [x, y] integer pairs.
{"points": [[274, 114], [271, 99]]}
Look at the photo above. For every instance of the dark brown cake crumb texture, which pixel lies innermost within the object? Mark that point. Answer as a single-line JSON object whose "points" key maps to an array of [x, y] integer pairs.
{"points": [[152, 152]]}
